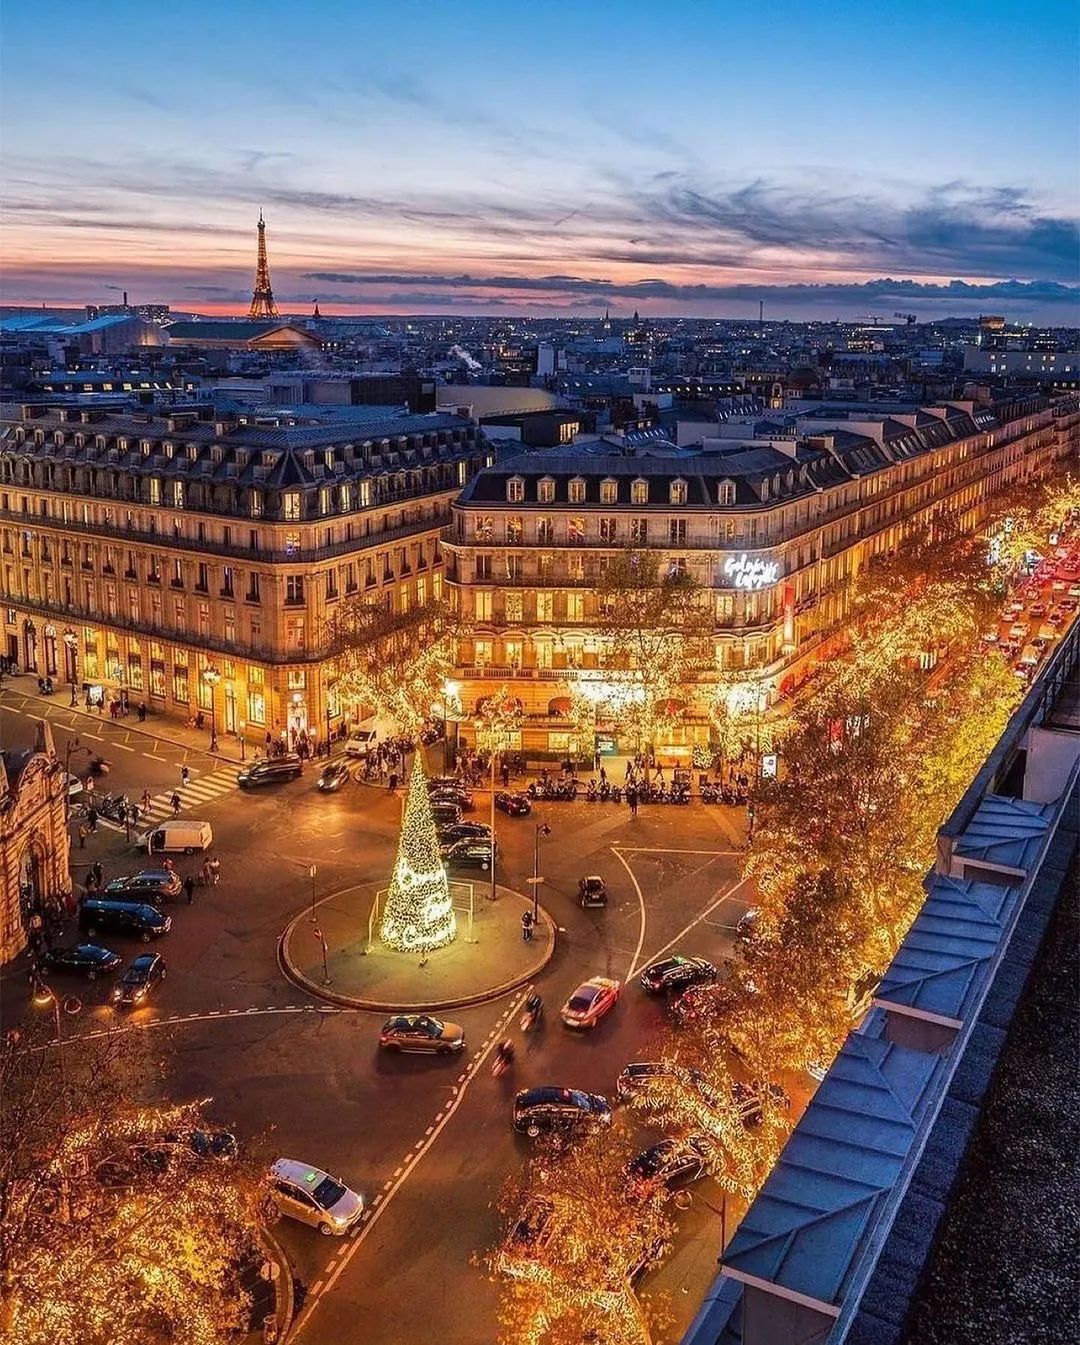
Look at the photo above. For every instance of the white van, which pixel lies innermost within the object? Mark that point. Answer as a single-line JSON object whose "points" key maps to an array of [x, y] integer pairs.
{"points": [[181, 835], [363, 740]]}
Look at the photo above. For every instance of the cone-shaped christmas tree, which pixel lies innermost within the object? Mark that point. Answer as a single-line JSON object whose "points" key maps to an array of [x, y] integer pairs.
{"points": [[418, 915]]}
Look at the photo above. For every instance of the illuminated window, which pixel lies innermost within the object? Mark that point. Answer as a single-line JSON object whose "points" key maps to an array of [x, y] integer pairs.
{"points": [[576, 492], [155, 490], [515, 489], [677, 492], [639, 491], [575, 530], [609, 529], [515, 605], [545, 489], [575, 607], [544, 606], [484, 528], [545, 531], [290, 504], [482, 604], [639, 531], [515, 528], [178, 494], [609, 491], [726, 493]]}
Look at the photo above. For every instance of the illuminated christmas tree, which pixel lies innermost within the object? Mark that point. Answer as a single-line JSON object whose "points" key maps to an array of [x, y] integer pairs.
{"points": [[418, 915]]}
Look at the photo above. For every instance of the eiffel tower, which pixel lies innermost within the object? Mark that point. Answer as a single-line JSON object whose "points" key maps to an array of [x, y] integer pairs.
{"points": [[262, 298]]}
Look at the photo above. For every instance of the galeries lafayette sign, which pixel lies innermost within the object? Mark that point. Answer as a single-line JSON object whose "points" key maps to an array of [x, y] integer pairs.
{"points": [[751, 571]]}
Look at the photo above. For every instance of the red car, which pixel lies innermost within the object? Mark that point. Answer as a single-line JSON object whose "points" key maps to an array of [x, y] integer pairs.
{"points": [[590, 1001]]}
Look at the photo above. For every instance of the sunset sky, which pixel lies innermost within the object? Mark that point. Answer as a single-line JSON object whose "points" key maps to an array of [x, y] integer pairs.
{"points": [[545, 158]]}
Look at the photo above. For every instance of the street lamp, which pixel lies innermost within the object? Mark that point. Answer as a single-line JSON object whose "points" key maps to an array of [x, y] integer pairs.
{"points": [[44, 995], [313, 873], [212, 677], [542, 829], [71, 644]]}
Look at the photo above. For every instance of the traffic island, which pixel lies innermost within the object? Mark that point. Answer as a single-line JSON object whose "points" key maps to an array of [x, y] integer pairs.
{"points": [[333, 951]]}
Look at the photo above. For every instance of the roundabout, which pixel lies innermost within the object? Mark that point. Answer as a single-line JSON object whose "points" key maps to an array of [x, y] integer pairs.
{"points": [[326, 951]]}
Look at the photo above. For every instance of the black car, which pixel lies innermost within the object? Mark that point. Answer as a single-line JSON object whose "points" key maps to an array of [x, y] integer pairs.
{"points": [[671, 1163], [512, 804], [153, 885], [84, 959], [474, 854], [140, 980], [444, 813], [123, 917], [461, 798], [332, 776], [558, 1110], [271, 771], [462, 831], [672, 975]]}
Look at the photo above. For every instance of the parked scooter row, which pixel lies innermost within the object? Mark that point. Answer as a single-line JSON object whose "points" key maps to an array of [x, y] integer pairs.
{"points": [[729, 794], [564, 790], [567, 790]]}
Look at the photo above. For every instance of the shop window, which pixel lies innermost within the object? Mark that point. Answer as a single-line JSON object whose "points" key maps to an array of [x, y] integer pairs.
{"points": [[256, 707], [180, 684]]}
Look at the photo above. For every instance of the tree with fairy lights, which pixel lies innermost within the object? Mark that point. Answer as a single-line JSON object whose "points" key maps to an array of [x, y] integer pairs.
{"points": [[418, 915]]}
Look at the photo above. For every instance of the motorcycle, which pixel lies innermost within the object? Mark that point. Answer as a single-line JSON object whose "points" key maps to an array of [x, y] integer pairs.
{"points": [[99, 766], [504, 1056], [534, 1011], [591, 792]]}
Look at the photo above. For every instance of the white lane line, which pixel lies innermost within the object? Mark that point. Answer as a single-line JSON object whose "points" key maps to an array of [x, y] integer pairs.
{"points": [[671, 850], [641, 904], [124, 747], [406, 1169], [697, 920]]}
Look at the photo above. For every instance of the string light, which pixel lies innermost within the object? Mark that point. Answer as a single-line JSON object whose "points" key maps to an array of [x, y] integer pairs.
{"points": [[419, 915]]}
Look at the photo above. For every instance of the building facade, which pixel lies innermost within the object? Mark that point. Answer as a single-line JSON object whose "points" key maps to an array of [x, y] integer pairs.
{"points": [[773, 531], [34, 845], [140, 552]]}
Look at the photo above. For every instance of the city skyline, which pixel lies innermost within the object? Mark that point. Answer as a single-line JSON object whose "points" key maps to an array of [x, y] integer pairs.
{"points": [[676, 163]]}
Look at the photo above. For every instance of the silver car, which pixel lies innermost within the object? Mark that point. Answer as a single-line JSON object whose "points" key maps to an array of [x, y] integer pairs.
{"points": [[313, 1197]]}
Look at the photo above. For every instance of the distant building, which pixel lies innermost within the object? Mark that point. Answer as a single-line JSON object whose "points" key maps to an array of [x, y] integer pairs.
{"points": [[34, 845], [1060, 366], [539, 429], [296, 388], [241, 335], [108, 334]]}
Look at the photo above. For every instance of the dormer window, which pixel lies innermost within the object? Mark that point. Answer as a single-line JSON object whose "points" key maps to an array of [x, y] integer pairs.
{"points": [[765, 488], [515, 490], [167, 449], [639, 491], [545, 490], [177, 494], [677, 492], [576, 492], [609, 490], [192, 452], [726, 493], [290, 505]]}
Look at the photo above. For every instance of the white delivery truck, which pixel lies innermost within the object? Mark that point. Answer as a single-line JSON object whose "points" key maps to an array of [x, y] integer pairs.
{"points": [[178, 836]]}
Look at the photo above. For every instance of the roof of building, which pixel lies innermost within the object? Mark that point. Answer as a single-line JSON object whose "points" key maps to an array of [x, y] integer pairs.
{"points": [[813, 1217], [939, 967], [1005, 834], [227, 330]]}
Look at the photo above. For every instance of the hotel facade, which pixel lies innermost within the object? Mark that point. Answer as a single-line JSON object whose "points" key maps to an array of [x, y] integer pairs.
{"points": [[191, 559], [774, 530]]}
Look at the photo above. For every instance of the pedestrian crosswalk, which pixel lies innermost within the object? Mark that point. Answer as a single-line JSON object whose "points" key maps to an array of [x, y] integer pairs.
{"points": [[195, 794]]}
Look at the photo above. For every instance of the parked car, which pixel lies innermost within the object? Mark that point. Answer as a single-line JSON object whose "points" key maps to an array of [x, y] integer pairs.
{"points": [[271, 771], [461, 831], [103, 914], [751, 1103], [460, 798], [333, 776], [83, 959], [154, 885], [313, 1197], [1037, 609], [592, 891], [674, 974], [419, 1032], [1018, 631], [75, 786], [639, 1074], [470, 854], [558, 1111], [529, 1235], [591, 1001], [139, 982], [180, 835], [673, 1163], [512, 803], [445, 813]]}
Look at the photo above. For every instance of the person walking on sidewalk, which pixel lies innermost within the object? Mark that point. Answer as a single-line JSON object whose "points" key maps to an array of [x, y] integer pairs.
{"points": [[189, 889], [214, 865], [91, 818], [144, 803], [83, 833], [185, 775], [176, 801]]}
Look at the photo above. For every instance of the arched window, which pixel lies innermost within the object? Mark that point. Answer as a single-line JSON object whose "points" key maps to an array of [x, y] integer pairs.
{"points": [[677, 492]]}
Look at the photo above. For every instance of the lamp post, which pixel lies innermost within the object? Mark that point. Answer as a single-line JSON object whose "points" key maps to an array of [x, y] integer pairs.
{"points": [[313, 873], [212, 677], [542, 829], [71, 644], [498, 717], [44, 994], [242, 725]]}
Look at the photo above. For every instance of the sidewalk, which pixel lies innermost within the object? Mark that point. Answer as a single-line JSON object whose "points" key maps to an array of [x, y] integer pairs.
{"points": [[156, 726]]}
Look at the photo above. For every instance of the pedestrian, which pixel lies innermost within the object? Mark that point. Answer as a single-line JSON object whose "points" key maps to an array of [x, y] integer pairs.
{"points": [[603, 774], [505, 772], [144, 802], [89, 785], [596, 759], [98, 872], [168, 866], [91, 818], [83, 833], [142, 712], [176, 801], [215, 871], [631, 798], [526, 926], [269, 741], [392, 783], [189, 889], [185, 775]]}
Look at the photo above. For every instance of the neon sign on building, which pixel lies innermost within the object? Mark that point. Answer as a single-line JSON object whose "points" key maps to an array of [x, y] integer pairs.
{"points": [[751, 572]]}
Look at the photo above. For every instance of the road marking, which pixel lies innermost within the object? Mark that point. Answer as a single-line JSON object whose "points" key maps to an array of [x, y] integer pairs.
{"points": [[670, 850], [405, 1170], [697, 920], [205, 1017], [124, 747], [641, 904]]}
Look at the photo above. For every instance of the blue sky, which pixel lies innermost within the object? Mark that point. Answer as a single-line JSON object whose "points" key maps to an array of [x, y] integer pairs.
{"points": [[549, 157]]}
